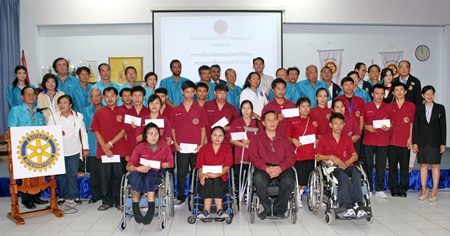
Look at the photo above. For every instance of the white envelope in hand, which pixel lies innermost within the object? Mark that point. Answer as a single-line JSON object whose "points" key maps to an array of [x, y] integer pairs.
{"points": [[378, 124], [307, 139], [187, 147], [151, 163], [222, 122], [135, 120], [211, 169], [291, 112], [113, 159], [238, 136], [157, 122]]}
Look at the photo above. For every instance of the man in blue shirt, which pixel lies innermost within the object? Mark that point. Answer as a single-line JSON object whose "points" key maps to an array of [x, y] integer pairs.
{"points": [[173, 84], [105, 76], [234, 91], [92, 163], [80, 91], [65, 81], [130, 75], [27, 114], [309, 87]]}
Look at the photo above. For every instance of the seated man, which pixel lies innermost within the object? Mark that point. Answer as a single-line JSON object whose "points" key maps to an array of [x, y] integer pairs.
{"points": [[337, 148], [272, 155]]}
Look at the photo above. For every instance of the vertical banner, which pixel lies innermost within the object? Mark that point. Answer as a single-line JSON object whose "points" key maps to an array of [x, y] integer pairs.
{"points": [[37, 151], [391, 60], [333, 59]]}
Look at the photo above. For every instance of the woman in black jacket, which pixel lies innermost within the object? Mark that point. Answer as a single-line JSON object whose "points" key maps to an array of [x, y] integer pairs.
{"points": [[429, 139]]}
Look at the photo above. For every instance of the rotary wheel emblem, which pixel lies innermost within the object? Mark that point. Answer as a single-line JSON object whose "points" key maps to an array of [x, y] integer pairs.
{"points": [[38, 151]]}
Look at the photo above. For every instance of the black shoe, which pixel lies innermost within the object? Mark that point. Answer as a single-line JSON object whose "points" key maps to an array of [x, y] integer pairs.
{"points": [[263, 215], [78, 201], [40, 201], [395, 195], [61, 201], [93, 200], [29, 205], [402, 194]]}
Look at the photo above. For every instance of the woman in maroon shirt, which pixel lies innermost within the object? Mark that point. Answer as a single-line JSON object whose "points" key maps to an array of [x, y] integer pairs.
{"points": [[214, 185], [143, 178], [351, 127], [322, 111]]}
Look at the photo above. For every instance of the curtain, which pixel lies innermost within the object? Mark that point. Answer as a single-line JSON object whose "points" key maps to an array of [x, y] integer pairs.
{"points": [[9, 52]]}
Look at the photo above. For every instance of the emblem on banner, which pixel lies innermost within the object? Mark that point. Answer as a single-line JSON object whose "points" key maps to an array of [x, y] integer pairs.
{"points": [[38, 151], [393, 67], [332, 66]]}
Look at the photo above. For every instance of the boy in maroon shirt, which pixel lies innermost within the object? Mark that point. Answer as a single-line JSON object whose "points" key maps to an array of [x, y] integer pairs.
{"points": [[109, 130], [376, 140], [401, 140], [339, 149], [189, 123]]}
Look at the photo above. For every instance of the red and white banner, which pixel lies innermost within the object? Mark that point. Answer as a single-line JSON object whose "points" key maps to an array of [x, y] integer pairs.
{"points": [[333, 59], [391, 60]]}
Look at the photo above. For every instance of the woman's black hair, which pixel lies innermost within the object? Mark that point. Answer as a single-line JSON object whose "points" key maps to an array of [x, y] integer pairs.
{"points": [[47, 77], [152, 98], [322, 89], [218, 127], [247, 83], [384, 74], [333, 103], [302, 100], [428, 87], [246, 101], [68, 98], [16, 80], [147, 127]]}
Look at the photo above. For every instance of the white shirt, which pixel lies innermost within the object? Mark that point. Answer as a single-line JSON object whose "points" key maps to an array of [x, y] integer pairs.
{"points": [[266, 84], [71, 138], [258, 99]]}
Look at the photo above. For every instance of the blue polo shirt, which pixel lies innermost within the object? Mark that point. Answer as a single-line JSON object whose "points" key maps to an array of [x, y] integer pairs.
{"points": [[307, 90], [148, 93], [173, 89], [233, 96], [20, 116], [80, 96], [100, 85], [68, 84], [360, 93], [14, 96], [88, 114]]}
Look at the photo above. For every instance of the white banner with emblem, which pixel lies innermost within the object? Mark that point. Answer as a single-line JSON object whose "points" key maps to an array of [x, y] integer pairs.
{"points": [[332, 58], [391, 60], [37, 151]]}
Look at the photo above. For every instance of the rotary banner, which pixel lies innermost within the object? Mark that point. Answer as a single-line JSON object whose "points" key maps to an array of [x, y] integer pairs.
{"points": [[391, 60], [333, 59], [37, 151]]}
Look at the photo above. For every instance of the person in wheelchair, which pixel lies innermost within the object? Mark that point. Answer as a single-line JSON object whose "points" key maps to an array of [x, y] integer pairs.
{"points": [[272, 156], [143, 177], [338, 150], [214, 185]]}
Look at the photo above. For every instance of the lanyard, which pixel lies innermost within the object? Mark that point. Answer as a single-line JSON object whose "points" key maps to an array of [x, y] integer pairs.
{"points": [[350, 106]]}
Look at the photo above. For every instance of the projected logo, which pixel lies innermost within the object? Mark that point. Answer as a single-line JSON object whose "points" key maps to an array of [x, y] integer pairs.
{"points": [[38, 151], [332, 65], [393, 67], [220, 26]]}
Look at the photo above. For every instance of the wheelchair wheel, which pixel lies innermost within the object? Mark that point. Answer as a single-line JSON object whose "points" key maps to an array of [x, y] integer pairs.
{"points": [[294, 217], [122, 225], [329, 217], [170, 211], [191, 219], [252, 217], [315, 195], [190, 202], [370, 219], [230, 220], [162, 224]]}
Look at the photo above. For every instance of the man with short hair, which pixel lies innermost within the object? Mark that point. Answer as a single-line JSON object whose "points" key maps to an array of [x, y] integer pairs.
{"points": [[357, 91], [105, 76], [165, 110], [282, 74], [234, 91], [361, 69], [309, 87], [173, 84], [266, 80], [215, 75], [130, 75], [291, 93], [202, 93], [80, 91], [125, 97], [326, 74], [65, 80], [374, 75], [204, 72], [271, 153]]}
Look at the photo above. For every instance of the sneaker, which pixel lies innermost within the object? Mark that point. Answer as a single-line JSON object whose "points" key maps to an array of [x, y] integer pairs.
{"points": [[222, 214], [381, 194], [78, 201], [61, 201], [69, 202], [350, 213], [179, 202], [203, 214], [361, 213]]}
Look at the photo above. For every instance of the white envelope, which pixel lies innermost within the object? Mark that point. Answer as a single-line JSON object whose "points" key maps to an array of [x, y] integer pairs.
{"points": [[151, 163], [238, 136], [222, 123], [187, 147], [211, 169], [113, 159], [379, 123], [291, 112], [135, 120], [158, 122], [307, 139]]}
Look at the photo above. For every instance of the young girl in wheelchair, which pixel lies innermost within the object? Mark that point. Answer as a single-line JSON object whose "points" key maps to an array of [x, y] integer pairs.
{"points": [[214, 185], [143, 177]]}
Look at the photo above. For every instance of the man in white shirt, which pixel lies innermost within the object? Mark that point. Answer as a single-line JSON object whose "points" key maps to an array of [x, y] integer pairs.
{"points": [[266, 80]]}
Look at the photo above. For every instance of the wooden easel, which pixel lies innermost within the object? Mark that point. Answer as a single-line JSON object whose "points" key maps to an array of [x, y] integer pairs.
{"points": [[31, 186]]}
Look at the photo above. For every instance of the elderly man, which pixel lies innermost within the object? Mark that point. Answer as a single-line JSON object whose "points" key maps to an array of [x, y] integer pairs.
{"points": [[309, 87]]}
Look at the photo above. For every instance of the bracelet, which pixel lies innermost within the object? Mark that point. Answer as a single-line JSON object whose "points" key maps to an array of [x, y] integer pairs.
{"points": [[110, 144]]}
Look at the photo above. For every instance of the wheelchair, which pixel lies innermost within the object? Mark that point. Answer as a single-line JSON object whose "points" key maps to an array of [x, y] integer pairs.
{"points": [[323, 188], [195, 201], [164, 197], [253, 202]]}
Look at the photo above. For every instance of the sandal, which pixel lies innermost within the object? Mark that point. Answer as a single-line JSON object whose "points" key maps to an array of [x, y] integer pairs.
{"points": [[103, 207]]}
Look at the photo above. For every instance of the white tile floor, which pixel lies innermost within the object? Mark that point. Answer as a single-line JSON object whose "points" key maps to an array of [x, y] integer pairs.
{"points": [[393, 216]]}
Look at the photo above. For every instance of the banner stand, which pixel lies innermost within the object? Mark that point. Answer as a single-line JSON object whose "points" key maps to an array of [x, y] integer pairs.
{"points": [[31, 186]]}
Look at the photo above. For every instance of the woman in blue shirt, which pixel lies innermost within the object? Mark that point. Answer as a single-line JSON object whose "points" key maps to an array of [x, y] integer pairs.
{"points": [[13, 92]]}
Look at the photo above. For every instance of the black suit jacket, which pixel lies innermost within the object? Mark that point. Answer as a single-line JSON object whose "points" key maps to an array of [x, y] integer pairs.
{"points": [[414, 90], [336, 90], [431, 134]]}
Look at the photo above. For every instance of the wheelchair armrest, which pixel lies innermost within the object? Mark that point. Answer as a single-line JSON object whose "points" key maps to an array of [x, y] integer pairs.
{"points": [[358, 163]]}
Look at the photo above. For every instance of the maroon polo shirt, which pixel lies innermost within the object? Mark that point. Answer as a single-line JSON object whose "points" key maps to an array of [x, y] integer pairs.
{"points": [[238, 126], [165, 132], [402, 118], [143, 150], [264, 151], [303, 126], [275, 106], [109, 122], [380, 137], [167, 112], [351, 127], [353, 108], [214, 114], [323, 114], [134, 132], [207, 156], [343, 149], [188, 125]]}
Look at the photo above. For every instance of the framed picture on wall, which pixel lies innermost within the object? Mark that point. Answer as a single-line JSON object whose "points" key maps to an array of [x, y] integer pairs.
{"points": [[94, 77], [119, 64]]}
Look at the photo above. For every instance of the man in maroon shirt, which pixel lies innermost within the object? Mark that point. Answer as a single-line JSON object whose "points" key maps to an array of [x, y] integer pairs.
{"points": [[109, 130], [272, 155], [338, 149], [376, 140]]}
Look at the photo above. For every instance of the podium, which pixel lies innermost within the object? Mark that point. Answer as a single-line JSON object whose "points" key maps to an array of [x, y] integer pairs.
{"points": [[31, 186]]}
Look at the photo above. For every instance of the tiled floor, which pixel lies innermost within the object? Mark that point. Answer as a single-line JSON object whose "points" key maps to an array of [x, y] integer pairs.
{"points": [[393, 216]]}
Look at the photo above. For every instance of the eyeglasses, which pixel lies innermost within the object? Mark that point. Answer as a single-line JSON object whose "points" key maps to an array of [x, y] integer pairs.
{"points": [[29, 94]]}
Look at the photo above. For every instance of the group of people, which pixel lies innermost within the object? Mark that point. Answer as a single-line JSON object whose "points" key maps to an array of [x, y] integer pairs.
{"points": [[357, 120]]}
